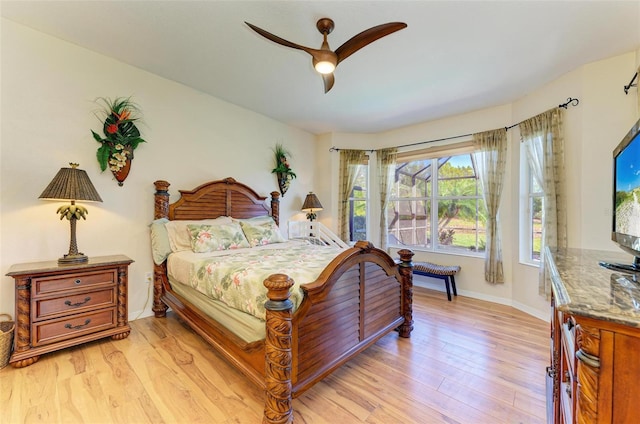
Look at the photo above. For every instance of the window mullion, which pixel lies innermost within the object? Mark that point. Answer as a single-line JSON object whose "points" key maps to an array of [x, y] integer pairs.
{"points": [[434, 204]]}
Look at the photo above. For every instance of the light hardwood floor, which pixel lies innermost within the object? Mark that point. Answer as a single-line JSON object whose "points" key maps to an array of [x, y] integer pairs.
{"points": [[468, 361]]}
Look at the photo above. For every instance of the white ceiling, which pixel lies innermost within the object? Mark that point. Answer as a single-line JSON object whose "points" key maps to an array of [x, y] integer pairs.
{"points": [[454, 56]]}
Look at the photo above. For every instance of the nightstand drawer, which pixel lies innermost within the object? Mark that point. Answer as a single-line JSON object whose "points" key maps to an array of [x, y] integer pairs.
{"points": [[51, 331], [74, 303], [57, 283]]}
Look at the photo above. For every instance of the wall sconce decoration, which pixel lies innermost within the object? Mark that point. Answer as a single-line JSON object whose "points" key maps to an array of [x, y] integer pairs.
{"points": [[71, 184], [311, 205], [121, 136], [283, 171]]}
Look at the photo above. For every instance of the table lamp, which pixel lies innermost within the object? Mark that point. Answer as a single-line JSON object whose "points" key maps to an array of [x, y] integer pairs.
{"points": [[71, 184], [311, 205]]}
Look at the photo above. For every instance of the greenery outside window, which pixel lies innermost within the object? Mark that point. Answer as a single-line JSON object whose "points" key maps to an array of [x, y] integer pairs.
{"points": [[358, 205], [436, 204], [532, 216], [536, 203]]}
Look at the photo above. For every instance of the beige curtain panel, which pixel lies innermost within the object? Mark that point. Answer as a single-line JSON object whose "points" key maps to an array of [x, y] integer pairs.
{"points": [[542, 137], [491, 161], [349, 160], [386, 161]]}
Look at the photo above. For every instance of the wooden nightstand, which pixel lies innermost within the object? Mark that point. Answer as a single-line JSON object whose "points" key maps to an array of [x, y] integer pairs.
{"points": [[62, 306]]}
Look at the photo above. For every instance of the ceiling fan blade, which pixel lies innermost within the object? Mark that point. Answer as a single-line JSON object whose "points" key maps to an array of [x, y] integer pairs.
{"points": [[328, 81], [281, 41], [368, 36]]}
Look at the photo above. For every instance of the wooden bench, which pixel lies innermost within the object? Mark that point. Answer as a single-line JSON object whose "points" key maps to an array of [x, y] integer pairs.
{"points": [[442, 272]]}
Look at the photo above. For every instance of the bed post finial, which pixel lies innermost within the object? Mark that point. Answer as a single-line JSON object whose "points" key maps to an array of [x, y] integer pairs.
{"points": [[278, 356], [161, 209], [275, 206], [406, 277]]}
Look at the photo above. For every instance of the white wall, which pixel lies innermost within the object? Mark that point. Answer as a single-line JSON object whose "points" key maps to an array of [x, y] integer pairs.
{"points": [[48, 88]]}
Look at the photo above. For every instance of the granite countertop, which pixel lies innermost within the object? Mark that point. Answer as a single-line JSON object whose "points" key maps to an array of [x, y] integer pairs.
{"points": [[582, 287]]}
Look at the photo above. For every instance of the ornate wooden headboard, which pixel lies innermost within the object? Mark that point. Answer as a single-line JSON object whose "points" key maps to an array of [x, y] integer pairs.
{"points": [[225, 197]]}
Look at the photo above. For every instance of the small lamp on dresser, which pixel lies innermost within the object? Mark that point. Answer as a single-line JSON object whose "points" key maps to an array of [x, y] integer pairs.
{"points": [[71, 184]]}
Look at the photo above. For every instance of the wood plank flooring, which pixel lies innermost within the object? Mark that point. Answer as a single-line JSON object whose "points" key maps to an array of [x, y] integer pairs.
{"points": [[468, 361]]}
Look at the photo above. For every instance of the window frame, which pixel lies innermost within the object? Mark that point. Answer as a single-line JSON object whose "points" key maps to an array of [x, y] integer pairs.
{"points": [[434, 198], [527, 194]]}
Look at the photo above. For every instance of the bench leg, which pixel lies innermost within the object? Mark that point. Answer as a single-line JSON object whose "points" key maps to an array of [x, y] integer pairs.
{"points": [[453, 284], [446, 284]]}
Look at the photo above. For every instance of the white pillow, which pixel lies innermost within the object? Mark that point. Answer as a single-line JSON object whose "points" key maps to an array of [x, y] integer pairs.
{"points": [[179, 236], [160, 247], [256, 220]]}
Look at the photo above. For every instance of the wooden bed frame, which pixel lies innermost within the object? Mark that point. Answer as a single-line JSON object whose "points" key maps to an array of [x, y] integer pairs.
{"points": [[362, 295]]}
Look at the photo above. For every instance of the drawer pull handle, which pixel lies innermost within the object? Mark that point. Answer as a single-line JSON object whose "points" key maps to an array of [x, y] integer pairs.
{"points": [[86, 299], [589, 360], [78, 281], [78, 327], [551, 372]]}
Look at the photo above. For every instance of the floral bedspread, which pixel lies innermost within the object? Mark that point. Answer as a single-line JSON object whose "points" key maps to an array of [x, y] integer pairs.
{"points": [[237, 279]]}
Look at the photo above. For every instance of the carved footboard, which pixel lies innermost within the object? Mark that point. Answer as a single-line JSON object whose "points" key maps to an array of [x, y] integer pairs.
{"points": [[360, 297]]}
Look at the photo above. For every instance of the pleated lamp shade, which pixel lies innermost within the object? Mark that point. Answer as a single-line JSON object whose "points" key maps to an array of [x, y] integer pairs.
{"points": [[71, 184], [311, 205]]}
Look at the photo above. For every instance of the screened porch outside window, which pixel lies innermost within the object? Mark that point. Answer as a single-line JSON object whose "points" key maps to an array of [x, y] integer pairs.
{"points": [[436, 204]]}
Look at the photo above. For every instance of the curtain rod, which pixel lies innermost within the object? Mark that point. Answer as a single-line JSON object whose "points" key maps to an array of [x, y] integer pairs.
{"points": [[631, 84], [570, 101]]}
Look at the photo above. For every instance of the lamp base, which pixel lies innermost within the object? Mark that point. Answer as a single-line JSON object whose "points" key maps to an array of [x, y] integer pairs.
{"points": [[78, 258]]}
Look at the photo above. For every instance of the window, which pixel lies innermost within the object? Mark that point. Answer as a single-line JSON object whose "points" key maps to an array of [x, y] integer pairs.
{"points": [[358, 206], [531, 232], [536, 202], [436, 204]]}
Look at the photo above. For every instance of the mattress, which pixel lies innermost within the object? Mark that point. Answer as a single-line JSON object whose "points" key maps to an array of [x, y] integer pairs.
{"points": [[227, 285], [243, 325]]}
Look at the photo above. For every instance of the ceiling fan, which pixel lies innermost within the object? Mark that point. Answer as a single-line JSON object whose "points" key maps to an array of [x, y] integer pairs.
{"points": [[326, 60]]}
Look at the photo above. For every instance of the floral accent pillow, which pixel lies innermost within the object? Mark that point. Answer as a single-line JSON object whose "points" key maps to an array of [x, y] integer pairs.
{"points": [[263, 233], [209, 238], [179, 237]]}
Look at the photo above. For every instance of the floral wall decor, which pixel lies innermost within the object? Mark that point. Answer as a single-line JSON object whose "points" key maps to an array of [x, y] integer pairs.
{"points": [[283, 170], [121, 136]]}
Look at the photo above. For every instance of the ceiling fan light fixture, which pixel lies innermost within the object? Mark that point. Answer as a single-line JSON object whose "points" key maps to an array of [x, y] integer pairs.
{"points": [[325, 61], [325, 67]]}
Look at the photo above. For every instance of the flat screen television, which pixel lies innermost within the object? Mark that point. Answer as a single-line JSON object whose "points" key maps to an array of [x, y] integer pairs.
{"points": [[626, 198]]}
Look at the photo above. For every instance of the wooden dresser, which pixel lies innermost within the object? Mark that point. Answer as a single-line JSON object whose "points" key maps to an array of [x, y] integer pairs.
{"points": [[63, 306], [595, 339]]}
